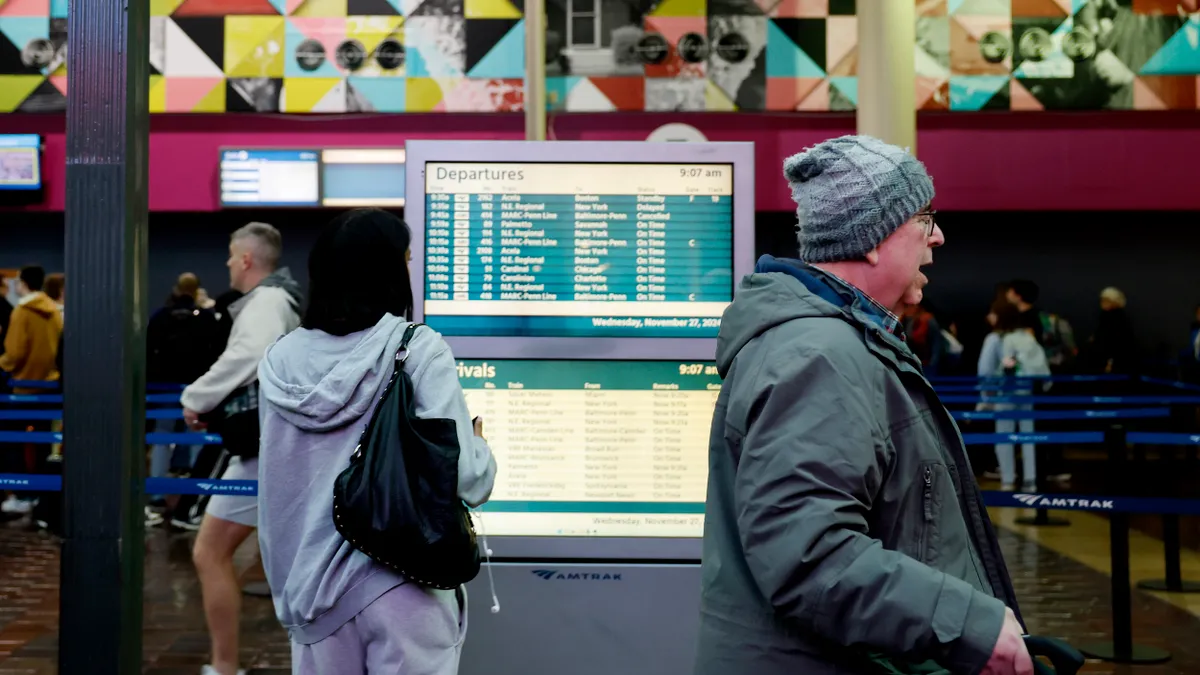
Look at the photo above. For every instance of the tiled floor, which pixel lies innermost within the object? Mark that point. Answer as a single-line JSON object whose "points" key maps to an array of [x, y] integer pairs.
{"points": [[1060, 596], [174, 638]]}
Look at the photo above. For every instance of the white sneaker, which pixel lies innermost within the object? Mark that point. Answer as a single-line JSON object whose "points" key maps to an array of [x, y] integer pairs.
{"points": [[16, 506], [209, 670], [189, 525], [153, 517]]}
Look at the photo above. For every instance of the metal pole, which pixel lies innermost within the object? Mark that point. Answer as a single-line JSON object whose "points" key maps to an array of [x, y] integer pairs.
{"points": [[535, 70], [887, 80], [1174, 571], [1173, 581], [1122, 648], [100, 627], [1122, 596]]}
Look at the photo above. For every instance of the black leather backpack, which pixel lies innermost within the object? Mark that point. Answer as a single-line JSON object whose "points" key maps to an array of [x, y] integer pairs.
{"points": [[398, 500]]}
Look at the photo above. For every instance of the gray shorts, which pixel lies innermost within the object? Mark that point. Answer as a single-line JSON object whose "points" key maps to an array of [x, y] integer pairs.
{"points": [[410, 629], [240, 510]]}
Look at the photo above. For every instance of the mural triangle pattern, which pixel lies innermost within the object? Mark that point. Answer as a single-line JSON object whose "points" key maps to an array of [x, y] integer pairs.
{"points": [[184, 57], [680, 8], [506, 59], [785, 58], [747, 55], [1180, 55], [490, 9], [45, 98], [372, 8], [972, 92]]}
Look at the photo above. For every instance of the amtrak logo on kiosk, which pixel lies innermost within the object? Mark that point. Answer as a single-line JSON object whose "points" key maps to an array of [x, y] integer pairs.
{"points": [[555, 575]]}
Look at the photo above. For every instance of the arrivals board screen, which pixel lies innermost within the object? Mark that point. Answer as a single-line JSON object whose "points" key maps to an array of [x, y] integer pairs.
{"points": [[274, 177], [594, 448], [543, 249], [20, 162]]}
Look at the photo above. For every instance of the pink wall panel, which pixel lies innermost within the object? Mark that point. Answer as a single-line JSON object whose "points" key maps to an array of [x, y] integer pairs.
{"points": [[1002, 161]]}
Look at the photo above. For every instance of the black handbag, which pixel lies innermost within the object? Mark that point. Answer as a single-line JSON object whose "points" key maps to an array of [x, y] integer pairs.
{"points": [[398, 500], [236, 421]]}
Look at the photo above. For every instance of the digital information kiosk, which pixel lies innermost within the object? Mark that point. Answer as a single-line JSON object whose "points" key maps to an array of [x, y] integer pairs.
{"points": [[581, 287]]}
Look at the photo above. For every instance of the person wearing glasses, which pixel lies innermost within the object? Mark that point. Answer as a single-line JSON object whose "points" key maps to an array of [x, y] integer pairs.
{"points": [[844, 532]]}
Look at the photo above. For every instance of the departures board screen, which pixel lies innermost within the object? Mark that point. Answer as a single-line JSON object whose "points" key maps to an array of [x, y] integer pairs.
{"points": [[594, 448], [542, 249]]}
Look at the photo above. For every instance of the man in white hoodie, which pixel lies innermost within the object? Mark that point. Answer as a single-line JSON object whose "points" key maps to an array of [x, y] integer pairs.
{"points": [[269, 310]]}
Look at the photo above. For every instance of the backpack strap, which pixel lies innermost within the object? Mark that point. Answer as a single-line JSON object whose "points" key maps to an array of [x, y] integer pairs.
{"points": [[402, 351]]}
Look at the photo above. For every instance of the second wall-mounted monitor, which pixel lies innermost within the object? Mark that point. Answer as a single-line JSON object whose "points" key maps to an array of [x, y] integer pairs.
{"points": [[354, 177], [20, 162], [535, 248]]}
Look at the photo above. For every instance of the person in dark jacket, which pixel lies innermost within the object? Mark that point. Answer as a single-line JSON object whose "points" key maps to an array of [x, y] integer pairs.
{"points": [[182, 338], [1113, 348], [844, 533]]}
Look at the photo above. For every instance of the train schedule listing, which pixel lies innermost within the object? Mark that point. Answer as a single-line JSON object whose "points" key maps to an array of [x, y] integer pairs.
{"points": [[578, 250], [595, 448]]}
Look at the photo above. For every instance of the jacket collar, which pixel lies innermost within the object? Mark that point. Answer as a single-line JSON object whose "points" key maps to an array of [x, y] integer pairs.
{"points": [[882, 330]]}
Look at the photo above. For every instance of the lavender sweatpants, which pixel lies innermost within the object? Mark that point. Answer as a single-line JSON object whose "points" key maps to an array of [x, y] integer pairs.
{"points": [[410, 630]]}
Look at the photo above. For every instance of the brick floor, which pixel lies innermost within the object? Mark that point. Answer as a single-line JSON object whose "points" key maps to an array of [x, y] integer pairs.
{"points": [[1059, 597]]}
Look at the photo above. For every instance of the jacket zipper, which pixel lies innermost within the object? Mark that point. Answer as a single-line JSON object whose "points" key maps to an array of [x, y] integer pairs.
{"points": [[928, 494], [970, 501]]}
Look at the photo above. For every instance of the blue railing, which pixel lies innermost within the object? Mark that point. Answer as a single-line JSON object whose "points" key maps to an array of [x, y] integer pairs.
{"points": [[1016, 500], [1077, 400], [153, 438], [1052, 438], [1110, 414], [1028, 378], [20, 399]]}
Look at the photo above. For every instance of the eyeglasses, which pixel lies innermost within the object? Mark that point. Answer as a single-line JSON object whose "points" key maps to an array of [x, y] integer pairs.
{"points": [[926, 220]]}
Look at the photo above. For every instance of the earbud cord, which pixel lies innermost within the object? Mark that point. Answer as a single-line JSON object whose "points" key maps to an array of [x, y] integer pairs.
{"points": [[487, 553]]}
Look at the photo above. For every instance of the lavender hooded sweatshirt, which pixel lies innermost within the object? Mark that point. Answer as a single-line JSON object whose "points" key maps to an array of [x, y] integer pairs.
{"points": [[317, 392]]}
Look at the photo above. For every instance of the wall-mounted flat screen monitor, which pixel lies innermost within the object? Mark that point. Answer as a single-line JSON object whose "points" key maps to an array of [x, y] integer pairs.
{"points": [[357, 177], [594, 452], [20, 162], [530, 247], [270, 178]]}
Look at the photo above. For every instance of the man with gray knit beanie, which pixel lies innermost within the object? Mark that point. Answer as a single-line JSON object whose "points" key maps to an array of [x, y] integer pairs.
{"points": [[844, 532]]}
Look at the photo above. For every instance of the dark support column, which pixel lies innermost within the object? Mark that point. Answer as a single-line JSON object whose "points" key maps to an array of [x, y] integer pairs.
{"points": [[104, 385]]}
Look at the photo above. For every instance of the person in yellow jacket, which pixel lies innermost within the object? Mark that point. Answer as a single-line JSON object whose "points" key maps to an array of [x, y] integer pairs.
{"points": [[30, 353]]}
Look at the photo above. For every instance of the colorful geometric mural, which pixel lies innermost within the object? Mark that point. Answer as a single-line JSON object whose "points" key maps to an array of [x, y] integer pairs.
{"points": [[338, 56]]}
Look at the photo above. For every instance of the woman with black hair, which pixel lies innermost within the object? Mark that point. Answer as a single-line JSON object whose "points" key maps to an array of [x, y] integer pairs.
{"points": [[344, 612]]}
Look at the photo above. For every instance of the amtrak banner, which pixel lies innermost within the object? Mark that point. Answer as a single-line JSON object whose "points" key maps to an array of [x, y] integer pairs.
{"points": [[1065, 502], [1013, 500]]}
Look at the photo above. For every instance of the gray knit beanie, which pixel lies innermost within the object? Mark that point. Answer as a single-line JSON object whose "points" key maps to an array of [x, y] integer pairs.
{"points": [[852, 193]]}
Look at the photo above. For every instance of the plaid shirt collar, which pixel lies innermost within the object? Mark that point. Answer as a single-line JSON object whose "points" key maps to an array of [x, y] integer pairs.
{"points": [[837, 291], [881, 315]]}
